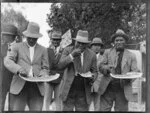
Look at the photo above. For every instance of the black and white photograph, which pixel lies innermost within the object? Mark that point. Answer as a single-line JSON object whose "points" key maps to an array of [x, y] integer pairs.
{"points": [[74, 56]]}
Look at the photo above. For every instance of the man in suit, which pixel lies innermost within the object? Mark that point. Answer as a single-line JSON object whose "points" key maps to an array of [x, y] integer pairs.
{"points": [[75, 90], [28, 59], [8, 36], [117, 60], [54, 54], [97, 47]]}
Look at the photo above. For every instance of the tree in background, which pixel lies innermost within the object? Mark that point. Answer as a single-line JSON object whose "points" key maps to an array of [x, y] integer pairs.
{"points": [[100, 19], [13, 17], [135, 22]]}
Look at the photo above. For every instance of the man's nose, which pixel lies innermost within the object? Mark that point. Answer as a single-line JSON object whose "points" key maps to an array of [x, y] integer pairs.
{"points": [[31, 40], [80, 44], [119, 41]]}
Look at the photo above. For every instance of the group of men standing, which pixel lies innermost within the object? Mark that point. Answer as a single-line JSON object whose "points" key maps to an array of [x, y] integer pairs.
{"points": [[71, 90]]}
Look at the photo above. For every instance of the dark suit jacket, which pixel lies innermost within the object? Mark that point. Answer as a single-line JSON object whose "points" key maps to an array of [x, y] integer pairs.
{"points": [[129, 63], [19, 57], [89, 64], [53, 64], [6, 74], [96, 85]]}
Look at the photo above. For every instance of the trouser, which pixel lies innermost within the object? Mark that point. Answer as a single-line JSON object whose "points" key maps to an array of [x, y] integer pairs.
{"points": [[113, 94], [6, 81], [4, 94], [76, 97], [56, 88], [96, 101], [29, 95]]}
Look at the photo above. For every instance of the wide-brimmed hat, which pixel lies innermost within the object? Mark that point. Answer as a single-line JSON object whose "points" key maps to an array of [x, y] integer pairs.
{"points": [[97, 41], [121, 33], [56, 35], [32, 30], [82, 36], [9, 29]]}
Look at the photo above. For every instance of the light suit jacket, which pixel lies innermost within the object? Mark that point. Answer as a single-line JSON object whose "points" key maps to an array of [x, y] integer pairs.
{"points": [[129, 63], [19, 57], [89, 64]]}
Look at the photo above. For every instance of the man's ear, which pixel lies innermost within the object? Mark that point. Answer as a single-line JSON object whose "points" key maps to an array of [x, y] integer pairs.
{"points": [[76, 44], [112, 44]]}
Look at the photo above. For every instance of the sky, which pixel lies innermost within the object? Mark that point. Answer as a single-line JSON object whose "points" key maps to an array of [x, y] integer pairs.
{"points": [[35, 12]]}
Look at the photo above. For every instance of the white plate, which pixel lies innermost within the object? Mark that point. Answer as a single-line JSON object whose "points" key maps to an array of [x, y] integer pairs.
{"points": [[86, 75], [41, 79], [129, 75]]}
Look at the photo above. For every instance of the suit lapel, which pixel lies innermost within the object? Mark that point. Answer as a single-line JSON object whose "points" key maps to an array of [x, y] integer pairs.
{"points": [[77, 64], [85, 60], [114, 57], [124, 59], [26, 50], [36, 52]]}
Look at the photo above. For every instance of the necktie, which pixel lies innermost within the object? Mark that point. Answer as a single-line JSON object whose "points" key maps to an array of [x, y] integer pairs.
{"points": [[119, 61], [78, 64], [55, 51], [115, 81]]}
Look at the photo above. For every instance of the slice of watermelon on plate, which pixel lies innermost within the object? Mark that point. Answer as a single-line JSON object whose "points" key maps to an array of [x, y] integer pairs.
{"points": [[129, 75]]}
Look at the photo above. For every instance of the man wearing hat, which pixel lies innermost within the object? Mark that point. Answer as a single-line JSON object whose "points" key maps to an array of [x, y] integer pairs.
{"points": [[75, 90], [96, 46], [28, 59], [117, 60], [8, 36], [54, 54]]}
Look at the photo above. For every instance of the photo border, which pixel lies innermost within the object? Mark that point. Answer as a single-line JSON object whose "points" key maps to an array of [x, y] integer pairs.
{"points": [[147, 110]]}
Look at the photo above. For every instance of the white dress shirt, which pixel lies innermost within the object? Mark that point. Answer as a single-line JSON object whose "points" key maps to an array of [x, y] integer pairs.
{"points": [[31, 50], [97, 55], [82, 59], [57, 49]]}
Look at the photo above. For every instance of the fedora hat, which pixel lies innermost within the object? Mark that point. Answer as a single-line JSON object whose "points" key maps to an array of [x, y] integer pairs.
{"points": [[82, 36], [121, 33], [56, 35], [97, 41], [9, 29], [32, 30]]}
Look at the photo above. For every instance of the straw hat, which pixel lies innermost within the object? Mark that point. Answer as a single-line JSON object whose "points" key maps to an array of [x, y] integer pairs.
{"points": [[32, 30], [121, 33], [97, 41], [56, 35], [82, 36]]}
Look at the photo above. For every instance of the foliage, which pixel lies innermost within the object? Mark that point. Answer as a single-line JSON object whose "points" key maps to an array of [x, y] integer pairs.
{"points": [[100, 19], [137, 24], [16, 18]]}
